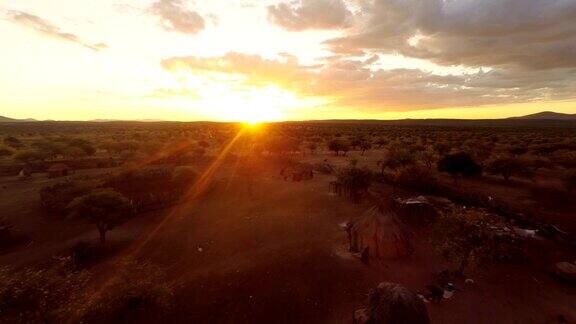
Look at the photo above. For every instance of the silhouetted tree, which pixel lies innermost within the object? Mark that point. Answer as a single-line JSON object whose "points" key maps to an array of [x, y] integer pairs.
{"points": [[338, 145], [459, 164], [105, 208], [365, 146], [509, 166]]}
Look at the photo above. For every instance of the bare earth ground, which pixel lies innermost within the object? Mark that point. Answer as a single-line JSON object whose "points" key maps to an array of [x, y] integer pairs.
{"points": [[269, 251]]}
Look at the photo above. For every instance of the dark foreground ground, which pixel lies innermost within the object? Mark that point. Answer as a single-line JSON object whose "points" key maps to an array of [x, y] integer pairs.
{"points": [[262, 250]]}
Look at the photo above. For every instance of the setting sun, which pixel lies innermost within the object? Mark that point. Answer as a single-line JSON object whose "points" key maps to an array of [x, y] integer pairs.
{"points": [[287, 161]]}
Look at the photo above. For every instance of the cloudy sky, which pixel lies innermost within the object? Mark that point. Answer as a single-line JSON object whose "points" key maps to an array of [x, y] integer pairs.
{"points": [[286, 59]]}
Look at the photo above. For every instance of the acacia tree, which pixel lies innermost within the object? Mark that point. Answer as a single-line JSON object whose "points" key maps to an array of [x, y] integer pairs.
{"points": [[509, 166], [338, 145], [105, 208], [395, 159], [365, 146]]}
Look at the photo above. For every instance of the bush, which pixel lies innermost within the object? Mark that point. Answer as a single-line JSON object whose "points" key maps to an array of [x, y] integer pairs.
{"points": [[459, 164], [471, 238], [415, 178], [28, 156], [355, 181], [13, 142], [84, 254], [137, 291], [39, 296], [338, 145], [54, 198], [396, 158], [509, 166], [6, 151], [9, 236]]}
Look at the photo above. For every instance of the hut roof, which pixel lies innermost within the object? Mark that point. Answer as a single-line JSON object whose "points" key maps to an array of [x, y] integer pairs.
{"points": [[58, 167], [376, 222], [381, 234], [420, 200], [393, 303]]}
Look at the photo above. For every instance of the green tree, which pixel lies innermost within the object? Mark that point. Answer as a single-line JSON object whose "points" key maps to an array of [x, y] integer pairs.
{"points": [[105, 208]]}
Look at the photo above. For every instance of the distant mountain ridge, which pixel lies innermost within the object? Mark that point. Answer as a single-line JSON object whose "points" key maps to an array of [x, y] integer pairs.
{"points": [[548, 115], [12, 120], [544, 116]]}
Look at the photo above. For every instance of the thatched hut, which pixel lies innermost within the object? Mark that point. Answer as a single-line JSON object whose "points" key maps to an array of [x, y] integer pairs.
{"points": [[416, 211], [379, 233], [58, 170], [25, 173], [391, 303]]}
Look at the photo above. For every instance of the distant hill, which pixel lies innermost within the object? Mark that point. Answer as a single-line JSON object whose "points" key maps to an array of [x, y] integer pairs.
{"points": [[12, 120], [549, 115], [127, 120]]}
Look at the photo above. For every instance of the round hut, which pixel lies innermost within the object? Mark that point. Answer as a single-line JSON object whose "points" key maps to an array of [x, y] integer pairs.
{"points": [[416, 211], [379, 235], [391, 303]]}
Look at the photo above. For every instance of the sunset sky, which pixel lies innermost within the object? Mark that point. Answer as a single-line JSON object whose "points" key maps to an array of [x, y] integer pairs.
{"points": [[286, 59]]}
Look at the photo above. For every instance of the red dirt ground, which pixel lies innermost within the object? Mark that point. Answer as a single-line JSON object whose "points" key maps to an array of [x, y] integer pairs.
{"points": [[275, 254]]}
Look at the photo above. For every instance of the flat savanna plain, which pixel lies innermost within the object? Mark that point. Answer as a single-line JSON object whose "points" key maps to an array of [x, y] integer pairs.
{"points": [[248, 244]]}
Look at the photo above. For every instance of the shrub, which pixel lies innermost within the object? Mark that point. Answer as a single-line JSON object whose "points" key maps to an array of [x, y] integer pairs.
{"points": [[6, 151], [54, 198], [39, 296], [28, 156], [415, 178], [459, 164], [509, 166], [13, 142], [396, 158], [338, 145], [10, 236], [471, 238], [355, 181], [137, 291]]}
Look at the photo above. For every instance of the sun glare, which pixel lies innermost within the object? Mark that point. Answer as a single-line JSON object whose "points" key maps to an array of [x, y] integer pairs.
{"points": [[228, 100]]}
